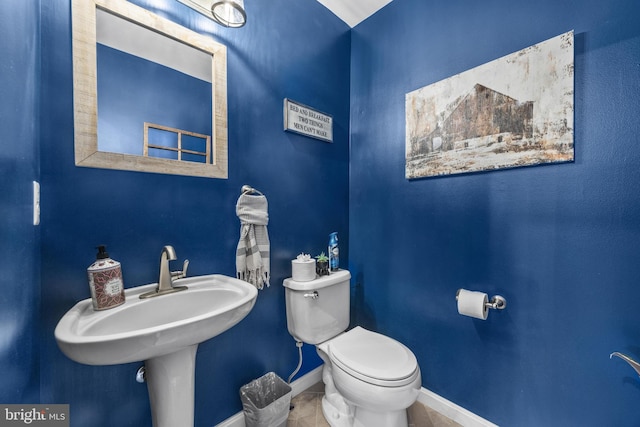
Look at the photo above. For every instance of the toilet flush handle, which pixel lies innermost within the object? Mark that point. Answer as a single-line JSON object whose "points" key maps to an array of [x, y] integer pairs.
{"points": [[312, 295]]}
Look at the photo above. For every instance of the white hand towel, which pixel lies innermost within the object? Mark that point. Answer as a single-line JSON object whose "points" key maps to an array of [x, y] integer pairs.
{"points": [[252, 255]]}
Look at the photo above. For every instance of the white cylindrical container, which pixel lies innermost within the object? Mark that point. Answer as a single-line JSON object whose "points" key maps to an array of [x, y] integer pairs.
{"points": [[303, 270]]}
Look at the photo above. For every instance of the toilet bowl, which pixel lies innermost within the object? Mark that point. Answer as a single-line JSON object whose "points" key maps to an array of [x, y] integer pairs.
{"points": [[370, 379], [377, 376]]}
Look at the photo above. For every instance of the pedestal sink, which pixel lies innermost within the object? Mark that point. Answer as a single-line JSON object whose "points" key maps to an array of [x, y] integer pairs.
{"points": [[164, 332]]}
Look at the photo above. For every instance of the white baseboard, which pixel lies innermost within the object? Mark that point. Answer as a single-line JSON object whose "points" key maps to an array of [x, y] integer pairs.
{"points": [[236, 420], [451, 410], [426, 397], [307, 380]]}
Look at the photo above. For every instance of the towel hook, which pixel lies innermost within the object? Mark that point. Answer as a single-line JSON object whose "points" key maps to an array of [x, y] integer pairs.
{"points": [[247, 189]]}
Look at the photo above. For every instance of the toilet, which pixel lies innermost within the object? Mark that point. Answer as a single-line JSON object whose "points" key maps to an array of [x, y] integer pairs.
{"points": [[370, 379]]}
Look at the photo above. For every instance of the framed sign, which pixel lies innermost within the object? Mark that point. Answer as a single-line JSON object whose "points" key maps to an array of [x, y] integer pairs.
{"points": [[306, 121]]}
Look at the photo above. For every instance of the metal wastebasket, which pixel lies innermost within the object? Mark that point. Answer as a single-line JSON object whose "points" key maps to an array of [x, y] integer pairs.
{"points": [[265, 401]]}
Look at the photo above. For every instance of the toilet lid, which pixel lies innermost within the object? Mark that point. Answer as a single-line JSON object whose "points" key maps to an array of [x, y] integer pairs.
{"points": [[373, 357]]}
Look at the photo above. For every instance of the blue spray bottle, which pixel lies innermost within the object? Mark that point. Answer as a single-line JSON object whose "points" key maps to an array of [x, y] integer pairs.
{"points": [[334, 252]]}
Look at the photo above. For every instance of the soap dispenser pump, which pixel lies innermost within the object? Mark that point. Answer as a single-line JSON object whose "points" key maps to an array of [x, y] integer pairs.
{"points": [[105, 281]]}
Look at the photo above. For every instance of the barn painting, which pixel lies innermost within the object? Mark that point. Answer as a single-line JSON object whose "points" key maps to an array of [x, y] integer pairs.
{"points": [[514, 111]]}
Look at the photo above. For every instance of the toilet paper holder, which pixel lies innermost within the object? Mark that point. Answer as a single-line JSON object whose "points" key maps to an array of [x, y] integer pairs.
{"points": [[496, 302]]}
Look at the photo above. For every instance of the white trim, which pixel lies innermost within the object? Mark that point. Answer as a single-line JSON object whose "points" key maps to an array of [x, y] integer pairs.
{"points": [[353, 12], [236, 420], [426, 397], [307, 380], [451, 410], [297, 387]]}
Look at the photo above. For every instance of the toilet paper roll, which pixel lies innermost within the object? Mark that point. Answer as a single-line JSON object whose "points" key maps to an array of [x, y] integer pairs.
{"points": [[303, 271], [472, 303]]}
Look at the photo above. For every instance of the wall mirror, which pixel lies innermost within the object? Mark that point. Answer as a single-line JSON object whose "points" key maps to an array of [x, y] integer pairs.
{"points": [[149, 94]]}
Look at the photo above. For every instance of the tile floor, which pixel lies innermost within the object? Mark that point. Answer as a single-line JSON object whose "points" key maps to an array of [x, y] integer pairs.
{"points": [[307, 412]]}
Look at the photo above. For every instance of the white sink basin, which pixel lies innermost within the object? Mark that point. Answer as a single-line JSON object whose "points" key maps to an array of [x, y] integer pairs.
{"points": [[163, 331], [141, 329]]}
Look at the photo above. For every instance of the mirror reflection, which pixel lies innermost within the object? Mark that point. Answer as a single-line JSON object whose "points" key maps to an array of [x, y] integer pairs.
{"points": [[160, 92], [144, 77]]}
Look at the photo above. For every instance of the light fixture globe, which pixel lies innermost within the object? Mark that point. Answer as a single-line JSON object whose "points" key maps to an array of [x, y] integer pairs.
{"points": [[229, 13]]}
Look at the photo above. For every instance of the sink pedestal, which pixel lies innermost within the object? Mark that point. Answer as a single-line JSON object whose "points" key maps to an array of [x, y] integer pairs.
{"points": [[171, 384]]}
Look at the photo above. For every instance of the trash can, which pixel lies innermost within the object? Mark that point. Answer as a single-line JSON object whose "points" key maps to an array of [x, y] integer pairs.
{"points": [[265, 401]]}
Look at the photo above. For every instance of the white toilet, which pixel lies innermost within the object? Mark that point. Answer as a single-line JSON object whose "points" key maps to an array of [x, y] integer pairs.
{"points": [[370, 379]]}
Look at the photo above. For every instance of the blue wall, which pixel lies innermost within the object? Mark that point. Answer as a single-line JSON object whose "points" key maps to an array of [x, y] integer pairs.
{"points": [[302, 53], [19, 239], [560, 242]]}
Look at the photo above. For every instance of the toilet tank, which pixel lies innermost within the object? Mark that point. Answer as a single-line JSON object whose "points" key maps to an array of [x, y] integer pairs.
{"points": [[318, 310]]}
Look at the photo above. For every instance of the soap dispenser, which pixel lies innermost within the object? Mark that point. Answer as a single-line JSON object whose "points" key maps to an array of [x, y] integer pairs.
{"points": [[105, 281]]}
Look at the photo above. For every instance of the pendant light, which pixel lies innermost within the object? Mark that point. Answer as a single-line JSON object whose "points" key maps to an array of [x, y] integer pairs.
{"points": [[229, 13]]}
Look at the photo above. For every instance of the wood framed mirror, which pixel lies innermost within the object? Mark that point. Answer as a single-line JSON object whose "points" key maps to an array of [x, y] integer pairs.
{"points": [[110, 116]]}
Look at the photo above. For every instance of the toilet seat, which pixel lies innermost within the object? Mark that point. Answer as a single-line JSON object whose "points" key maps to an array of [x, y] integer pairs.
{"points": [[373, 358]]}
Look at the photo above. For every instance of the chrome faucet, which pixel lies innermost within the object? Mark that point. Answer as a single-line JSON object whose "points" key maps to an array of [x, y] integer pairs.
{"points": [[165, 280]]}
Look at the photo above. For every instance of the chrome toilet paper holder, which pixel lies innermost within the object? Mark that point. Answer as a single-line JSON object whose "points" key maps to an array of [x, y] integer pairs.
{"points": [[496, 302]]}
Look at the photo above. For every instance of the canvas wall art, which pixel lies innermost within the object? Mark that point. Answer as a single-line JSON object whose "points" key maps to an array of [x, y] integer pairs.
{"points": [[514, 111]]}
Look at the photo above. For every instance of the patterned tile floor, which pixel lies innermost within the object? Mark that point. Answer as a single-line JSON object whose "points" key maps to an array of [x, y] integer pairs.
{"points": [[307, 412]]}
